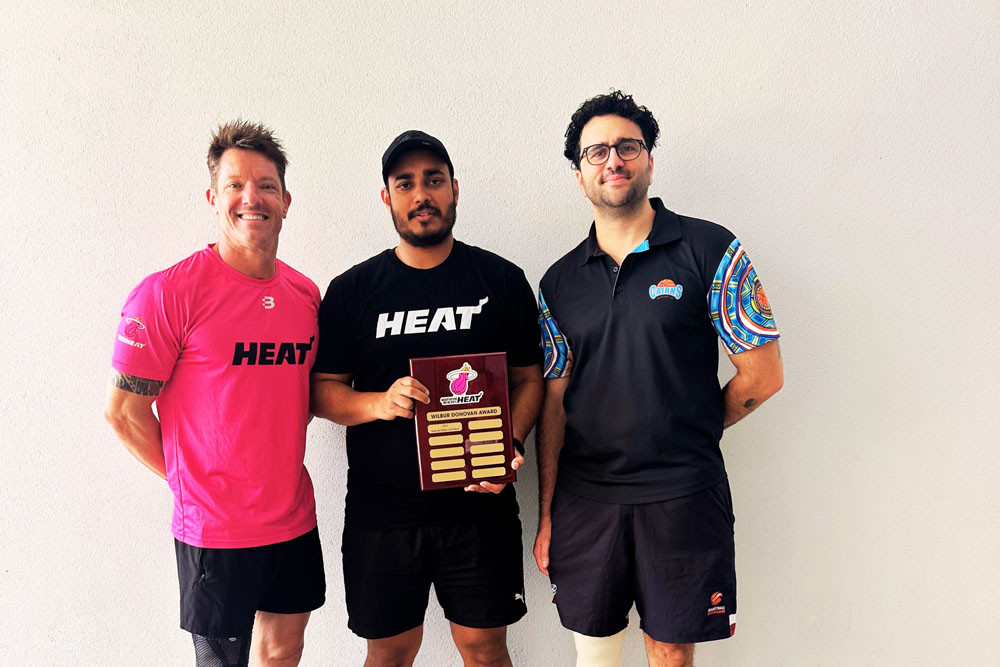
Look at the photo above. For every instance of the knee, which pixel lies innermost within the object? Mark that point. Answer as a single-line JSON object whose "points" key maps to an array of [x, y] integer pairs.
{"points": [[381, 654], [672, 655], [485, 652], [281, 650]]}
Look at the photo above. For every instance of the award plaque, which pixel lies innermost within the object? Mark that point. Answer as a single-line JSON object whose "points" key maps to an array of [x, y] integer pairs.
{"points": [[463, 434]]}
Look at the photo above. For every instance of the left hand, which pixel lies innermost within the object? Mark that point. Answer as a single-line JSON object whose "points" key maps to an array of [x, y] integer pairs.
{"points": [[490, 487]]}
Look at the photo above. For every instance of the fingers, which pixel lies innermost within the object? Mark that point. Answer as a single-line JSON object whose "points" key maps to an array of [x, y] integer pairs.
{"points": [[486, 487], [541, 553], [411, 388]]}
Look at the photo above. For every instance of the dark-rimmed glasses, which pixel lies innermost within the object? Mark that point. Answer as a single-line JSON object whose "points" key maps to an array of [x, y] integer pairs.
{"points": [[627, 149]]}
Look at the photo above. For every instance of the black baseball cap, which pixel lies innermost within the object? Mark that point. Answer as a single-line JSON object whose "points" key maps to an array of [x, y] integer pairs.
{"points": [[413, 140]]}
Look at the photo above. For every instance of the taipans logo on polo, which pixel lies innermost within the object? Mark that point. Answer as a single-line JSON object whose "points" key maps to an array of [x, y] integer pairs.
{"points": [[665, 288], [271, 354], [458, 385]]}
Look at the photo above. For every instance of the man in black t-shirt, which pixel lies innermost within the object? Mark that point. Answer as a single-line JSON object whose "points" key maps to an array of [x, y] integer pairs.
{"points": [[429, 296]]}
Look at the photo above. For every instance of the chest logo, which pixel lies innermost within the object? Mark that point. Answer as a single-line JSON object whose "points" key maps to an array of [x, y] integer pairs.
{"points": [[447, 318], [268, 302], [666, 288], [458, 385]]}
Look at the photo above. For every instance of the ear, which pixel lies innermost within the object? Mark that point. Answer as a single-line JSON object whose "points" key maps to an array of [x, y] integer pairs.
{"points": [[454, 189], [210, 196], [385, 200], [579, 181], [650, 168], [288, 202]]}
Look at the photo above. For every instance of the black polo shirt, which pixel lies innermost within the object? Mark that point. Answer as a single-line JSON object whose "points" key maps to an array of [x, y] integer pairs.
{"points": [[639, 343]]}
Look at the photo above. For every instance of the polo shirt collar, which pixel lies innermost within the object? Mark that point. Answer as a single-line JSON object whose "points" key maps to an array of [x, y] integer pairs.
{"points": [[666, 228]]}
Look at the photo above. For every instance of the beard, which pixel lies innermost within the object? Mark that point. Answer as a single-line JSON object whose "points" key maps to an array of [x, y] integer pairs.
{"points": [[633, 197], [423, 237]]}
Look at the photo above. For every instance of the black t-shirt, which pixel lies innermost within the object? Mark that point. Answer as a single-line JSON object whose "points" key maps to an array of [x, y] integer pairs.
{"points": [[377, 316]]}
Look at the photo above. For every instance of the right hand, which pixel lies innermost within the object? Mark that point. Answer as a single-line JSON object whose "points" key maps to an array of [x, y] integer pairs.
{"points": [[397, 400], [541, 549]]}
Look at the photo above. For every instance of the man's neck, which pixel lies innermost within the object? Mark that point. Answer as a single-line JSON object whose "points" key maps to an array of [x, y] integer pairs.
{"points": [[257, 263], [424, 258], [620, 232]]}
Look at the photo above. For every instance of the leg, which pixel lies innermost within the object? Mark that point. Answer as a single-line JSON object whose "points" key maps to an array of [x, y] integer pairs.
{"points": [[661, 654], [481, 647], [221, 651], [599, 651], [396, 651], [278, 639]]}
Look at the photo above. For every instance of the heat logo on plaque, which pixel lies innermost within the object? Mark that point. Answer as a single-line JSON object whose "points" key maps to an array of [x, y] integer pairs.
{"points": [[458, 385]]}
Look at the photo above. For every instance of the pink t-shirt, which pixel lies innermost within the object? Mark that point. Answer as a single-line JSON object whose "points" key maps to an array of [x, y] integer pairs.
{"points": [[235, 353]]}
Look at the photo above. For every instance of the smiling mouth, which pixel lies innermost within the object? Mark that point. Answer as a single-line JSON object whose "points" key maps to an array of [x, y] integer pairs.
{"points": [[251, 216]]}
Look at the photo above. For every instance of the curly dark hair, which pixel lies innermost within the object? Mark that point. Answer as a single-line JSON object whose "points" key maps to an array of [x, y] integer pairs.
{"points": [[615, 103], [247, 136]]}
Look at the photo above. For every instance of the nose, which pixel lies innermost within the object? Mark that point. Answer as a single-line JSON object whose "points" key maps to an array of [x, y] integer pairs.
{"points": [[614, 160], [251, 195]]}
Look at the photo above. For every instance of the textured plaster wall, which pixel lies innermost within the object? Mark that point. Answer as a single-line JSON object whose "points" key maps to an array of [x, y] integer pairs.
{"points": [[853, 146]]}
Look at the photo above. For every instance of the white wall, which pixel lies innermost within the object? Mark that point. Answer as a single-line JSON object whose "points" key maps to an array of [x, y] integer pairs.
{"points": [[852, 146]]}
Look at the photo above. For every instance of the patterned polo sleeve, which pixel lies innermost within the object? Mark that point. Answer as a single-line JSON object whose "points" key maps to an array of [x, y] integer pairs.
{"points": [[558, 357], [737, 304]]}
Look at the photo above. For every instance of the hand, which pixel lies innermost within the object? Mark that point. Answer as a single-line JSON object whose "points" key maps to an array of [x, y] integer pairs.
{"points": [[490, 487], [541, 549], [397, 400]]}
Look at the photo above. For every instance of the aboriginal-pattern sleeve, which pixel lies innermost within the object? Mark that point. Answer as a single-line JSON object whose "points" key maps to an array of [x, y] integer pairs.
{"points": [[558, 355], [737, 304]]}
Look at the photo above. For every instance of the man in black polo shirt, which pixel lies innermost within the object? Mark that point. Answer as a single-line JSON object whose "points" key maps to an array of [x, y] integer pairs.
{"points": [[429, 296], [640, 510]]}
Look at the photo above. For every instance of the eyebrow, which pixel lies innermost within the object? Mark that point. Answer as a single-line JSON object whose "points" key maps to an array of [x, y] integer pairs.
{"points": [[408, 175]]}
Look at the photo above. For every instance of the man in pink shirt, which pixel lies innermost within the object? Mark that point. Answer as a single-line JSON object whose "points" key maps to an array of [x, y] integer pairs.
{"points": [[223, 343]]}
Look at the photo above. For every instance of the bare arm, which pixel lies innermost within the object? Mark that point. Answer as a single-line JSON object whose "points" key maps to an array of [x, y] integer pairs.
{"points": [[759, 375], [129, 409], [332, 397], [526, 390], [551, 433]]}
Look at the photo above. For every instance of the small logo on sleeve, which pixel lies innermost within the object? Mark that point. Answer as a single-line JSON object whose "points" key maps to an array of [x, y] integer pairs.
{"points": [[666, 288], [717, 606], [133, 325]]}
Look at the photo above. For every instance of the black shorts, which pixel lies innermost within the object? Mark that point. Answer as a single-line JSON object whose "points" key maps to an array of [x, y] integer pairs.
{"points": [[222, 589], [476, 567], [675, 559]]}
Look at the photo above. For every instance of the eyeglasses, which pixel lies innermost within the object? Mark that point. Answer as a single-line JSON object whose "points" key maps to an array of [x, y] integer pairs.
{"points": [[627, 149]]}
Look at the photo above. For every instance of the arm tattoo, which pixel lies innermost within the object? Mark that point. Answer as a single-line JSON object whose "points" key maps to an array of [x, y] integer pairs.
{"points": [[750, 403], [136, 385]]}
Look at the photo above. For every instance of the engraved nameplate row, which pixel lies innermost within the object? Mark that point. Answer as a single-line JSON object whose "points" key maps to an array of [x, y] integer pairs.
{"points": [[463, 435]]}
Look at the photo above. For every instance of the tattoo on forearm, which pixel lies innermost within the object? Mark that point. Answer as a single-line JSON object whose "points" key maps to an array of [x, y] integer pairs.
{"points": [[750, 403], [136, 385]]}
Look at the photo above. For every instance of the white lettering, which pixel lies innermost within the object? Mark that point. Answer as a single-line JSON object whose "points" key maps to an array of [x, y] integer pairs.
{"points": [[468, 311], [129, 341], [395, 325], [416, 321], [443, 317]]}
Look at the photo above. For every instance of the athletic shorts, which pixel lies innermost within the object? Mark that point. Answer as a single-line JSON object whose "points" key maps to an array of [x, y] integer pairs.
{"points": [[222, 589], [476, 567], [674, 559]]}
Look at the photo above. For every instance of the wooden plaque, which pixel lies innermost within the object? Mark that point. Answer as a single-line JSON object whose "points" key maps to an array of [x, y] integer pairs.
{"points": [[463, 434]]}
